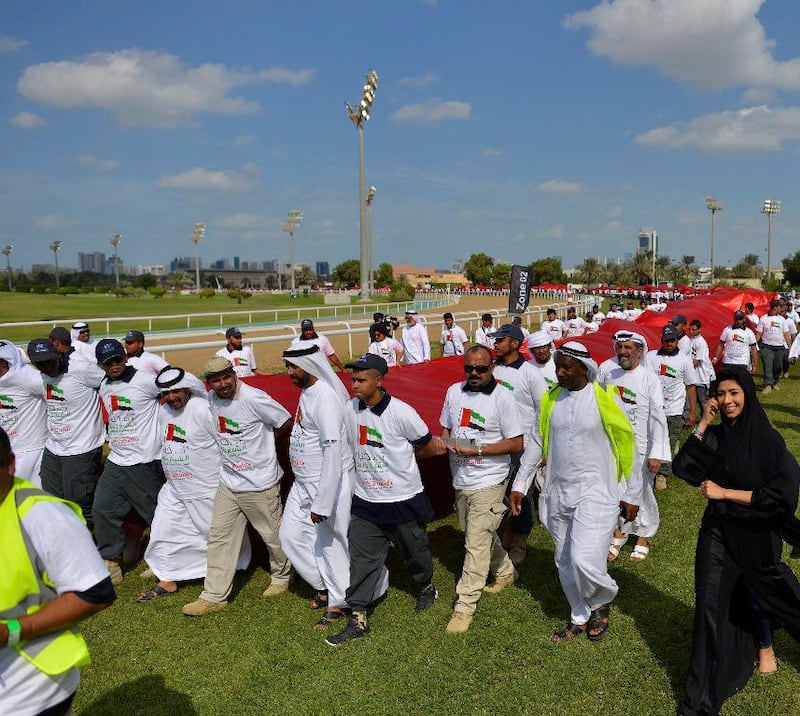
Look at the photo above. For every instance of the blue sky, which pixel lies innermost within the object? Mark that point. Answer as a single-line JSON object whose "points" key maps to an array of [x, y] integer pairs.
{"points": [[522, 129]]}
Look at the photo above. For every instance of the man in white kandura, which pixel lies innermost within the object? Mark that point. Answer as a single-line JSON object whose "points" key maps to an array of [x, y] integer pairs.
{"points": [[588, 445], [178, 546], [416, 344], [313, 531], [643, 401]]}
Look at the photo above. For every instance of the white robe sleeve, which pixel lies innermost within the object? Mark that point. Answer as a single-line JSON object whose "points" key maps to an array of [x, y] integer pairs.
{"points": [[531, 457]]}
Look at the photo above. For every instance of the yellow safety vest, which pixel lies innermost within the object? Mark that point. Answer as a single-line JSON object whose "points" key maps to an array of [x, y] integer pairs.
{"points": [[25, 587], [615, 423]]}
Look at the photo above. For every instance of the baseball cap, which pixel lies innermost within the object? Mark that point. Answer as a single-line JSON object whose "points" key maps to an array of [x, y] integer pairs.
{"points": [[134, 336], [737, 315], [306, 323], [61, 334], [369, 361], [669, 332], [217, 364], [232, 331], [678, 319], [517, 320], [108, 348], [508, 330], [40, 350]]}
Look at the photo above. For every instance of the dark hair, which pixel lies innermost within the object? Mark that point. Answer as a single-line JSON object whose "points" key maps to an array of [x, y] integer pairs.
{"points": [[447, 315], [695, 322], [5, 449], [478, 349], [749, 306]]}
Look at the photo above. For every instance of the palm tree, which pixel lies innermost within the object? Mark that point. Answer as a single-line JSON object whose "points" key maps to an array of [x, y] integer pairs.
{"points": [[642, 267], [688, 267], [591, 271]]}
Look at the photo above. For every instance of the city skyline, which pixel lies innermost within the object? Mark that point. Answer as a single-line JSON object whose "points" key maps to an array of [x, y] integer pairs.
{"points": [[523, 130]]}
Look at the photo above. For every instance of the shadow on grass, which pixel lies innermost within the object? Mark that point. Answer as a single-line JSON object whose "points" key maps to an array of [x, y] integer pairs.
{"points": [[147, 695], [447, 546]]}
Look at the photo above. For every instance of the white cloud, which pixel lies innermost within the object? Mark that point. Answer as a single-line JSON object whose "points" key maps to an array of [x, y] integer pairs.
{"points": [[202, 179], [559, 186], [96, 163], [243, 220], [554, 232], [148, 88], [710, 44], [432, 111], [612, 225], [54, 221], [244, 140], [752, 129], [27, 120], [419, 81], [492, 152], [615, 212], [11, 44]]}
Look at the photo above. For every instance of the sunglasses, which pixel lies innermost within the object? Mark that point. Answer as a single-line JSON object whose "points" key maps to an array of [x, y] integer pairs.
{"points": [[114, 360], [480, 369]]}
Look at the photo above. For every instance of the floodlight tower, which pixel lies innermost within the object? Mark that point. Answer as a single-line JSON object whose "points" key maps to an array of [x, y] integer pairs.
{"points": [[358, 117], [115, 243], [8, 250], [197, 235], [55, 247], [713, 206], [371, 242], [293, 220], [771, 206]]}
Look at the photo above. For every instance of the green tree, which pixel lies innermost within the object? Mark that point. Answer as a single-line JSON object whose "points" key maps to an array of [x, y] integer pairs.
{"points": [[402, 290], [478, 269], [749, 266], [791, 269], [156, 291], [591, 271], [547, 271], [147, 280], [207, 293], [384, 276], [501, 275], [347, 273]]}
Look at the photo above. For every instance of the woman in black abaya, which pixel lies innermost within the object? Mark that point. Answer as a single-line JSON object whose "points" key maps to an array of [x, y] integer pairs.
{"points": [[750, 481]]}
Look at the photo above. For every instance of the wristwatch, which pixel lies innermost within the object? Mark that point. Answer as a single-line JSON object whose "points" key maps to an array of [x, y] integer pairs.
{"points": [[479, 446]]}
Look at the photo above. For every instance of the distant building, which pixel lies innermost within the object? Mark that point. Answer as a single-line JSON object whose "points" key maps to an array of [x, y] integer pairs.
{"points": [[221, 264], [43, 268], [647, 240], [427, 275], [92, 263], [183, 263], [236, 263], [323, 270], [153, 269]]}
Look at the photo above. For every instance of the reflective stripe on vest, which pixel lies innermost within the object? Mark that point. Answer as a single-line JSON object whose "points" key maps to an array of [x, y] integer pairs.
{"points": [[25, 587]]}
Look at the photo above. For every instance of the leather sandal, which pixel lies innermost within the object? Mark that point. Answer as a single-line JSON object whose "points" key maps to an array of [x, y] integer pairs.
{"points": [[598, 623], [568, 633]]}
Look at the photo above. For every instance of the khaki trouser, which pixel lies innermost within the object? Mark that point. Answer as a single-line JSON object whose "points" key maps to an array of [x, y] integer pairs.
{"points": [[232, 512], [479, 514]]}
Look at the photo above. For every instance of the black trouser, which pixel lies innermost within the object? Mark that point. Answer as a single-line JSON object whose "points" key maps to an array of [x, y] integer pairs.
{"points": [[121, 488], [369, 545], [73, 478]]}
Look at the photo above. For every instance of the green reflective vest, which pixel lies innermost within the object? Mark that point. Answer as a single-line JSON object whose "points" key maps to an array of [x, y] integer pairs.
{"points": [[25, 588], [615, 423]]}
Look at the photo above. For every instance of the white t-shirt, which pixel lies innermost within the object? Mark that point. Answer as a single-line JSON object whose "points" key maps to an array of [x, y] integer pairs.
{"points": [[488, 417], [67, 553], [132, 409], [384, 437], [85, 350], [631, 314], [244, 360], [675, 373], [453, 341], [598, 317], [685, 345], [389, 349], [555, 329], [189, 451], [482, 337], [616, 314], [737, 343], [575, 327], [548, 371], [74, 420], [527, 385], [703, 372], [148, 362], [23, 411], [320, 424], [321, 341], [752, 320], [772, 329], [246, 440]]}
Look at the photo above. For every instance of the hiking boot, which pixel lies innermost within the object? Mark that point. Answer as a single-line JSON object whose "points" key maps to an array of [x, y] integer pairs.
{"points": [[273, 590], [500, 583], [114, 571], [199, 607], [426, 599], [459, 623], [660, 483], [766, 389], [357, 627], [517, 548]]}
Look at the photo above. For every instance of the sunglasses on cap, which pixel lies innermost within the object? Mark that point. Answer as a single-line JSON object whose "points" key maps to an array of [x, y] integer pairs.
{"points": [[480, 369]]}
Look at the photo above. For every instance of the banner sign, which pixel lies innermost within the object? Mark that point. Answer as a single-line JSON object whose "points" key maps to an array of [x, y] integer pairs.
{"points": [[520, 293]]}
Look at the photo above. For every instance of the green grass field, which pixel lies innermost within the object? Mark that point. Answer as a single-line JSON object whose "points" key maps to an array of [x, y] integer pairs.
{"points": [[262, 656]]}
